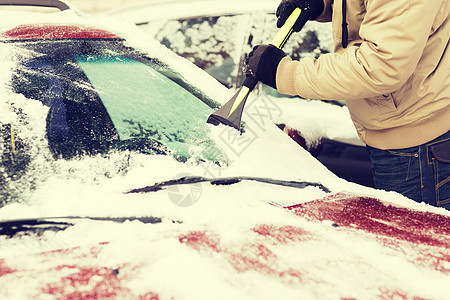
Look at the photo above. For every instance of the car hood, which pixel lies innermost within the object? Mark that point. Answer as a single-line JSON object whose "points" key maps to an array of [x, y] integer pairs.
{"points": [[38, 226], [316, 249]]}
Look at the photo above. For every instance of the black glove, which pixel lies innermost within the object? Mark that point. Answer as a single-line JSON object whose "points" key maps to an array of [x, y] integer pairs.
{"points": [[311, 9], [262, 63]]}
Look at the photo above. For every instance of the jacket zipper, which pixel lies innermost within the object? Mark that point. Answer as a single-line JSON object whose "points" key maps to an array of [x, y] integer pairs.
{"points": [[344, 24]]}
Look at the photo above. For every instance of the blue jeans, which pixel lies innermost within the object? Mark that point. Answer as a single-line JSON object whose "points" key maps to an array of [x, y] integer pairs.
{"points": [[420, 173]]}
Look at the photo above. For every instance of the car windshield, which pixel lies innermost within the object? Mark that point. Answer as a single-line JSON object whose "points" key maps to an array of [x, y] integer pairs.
{"points": [[103, 96]]}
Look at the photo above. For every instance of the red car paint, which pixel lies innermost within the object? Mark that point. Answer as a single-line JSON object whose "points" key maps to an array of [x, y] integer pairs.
{"points": [[373, 216], [76, 279], [48, 31], [425, 234]]}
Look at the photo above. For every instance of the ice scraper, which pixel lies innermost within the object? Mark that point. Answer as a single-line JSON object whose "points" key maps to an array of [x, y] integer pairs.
{"points": [[231, 112]]}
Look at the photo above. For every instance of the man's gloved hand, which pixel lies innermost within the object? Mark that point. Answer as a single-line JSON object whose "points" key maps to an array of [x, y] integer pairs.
{"points": [[311, 9], [262, 63]]}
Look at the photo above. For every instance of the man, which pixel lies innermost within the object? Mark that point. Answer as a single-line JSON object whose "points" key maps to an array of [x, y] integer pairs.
{"points": [[391, 64]]}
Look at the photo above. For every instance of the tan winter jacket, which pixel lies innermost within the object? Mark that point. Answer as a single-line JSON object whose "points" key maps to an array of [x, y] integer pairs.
{"points": [[394, 74]]}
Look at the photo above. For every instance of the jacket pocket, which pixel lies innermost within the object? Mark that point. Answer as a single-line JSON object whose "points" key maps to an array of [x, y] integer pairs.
{"points": [[386, 103]]}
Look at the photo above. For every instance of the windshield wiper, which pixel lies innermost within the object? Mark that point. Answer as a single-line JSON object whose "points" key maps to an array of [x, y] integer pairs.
{"points": [[37, 226], [227, 181]]}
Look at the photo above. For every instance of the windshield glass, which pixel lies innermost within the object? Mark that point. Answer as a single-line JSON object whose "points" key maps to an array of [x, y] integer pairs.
{"points": [[104, 96], [143, 103]]}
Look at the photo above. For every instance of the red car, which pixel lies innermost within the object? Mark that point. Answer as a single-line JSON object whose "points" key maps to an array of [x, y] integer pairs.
{"points": [[114, 187]]}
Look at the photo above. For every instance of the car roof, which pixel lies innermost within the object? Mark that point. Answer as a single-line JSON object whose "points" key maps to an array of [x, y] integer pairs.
{"points": [[146, 11], [68, 22]]}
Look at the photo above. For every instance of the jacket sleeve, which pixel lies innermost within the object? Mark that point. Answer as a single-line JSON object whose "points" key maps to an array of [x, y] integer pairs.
{"points": [[393, 36]]}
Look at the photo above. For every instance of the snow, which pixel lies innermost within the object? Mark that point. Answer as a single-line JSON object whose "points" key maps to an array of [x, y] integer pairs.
{"points": [[215, 253]]}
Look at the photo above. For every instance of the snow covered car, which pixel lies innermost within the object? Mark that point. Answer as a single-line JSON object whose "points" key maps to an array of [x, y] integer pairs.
{"points": [[113, 186], [216, 35]]}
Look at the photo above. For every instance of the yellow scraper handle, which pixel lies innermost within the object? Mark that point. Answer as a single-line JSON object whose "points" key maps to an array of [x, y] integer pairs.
{"points": [[285, 31]]}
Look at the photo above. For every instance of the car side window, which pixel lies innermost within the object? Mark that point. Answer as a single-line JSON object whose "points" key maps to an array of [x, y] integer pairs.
{"points": [[313, 40], [218, 44], [212, 43]]}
